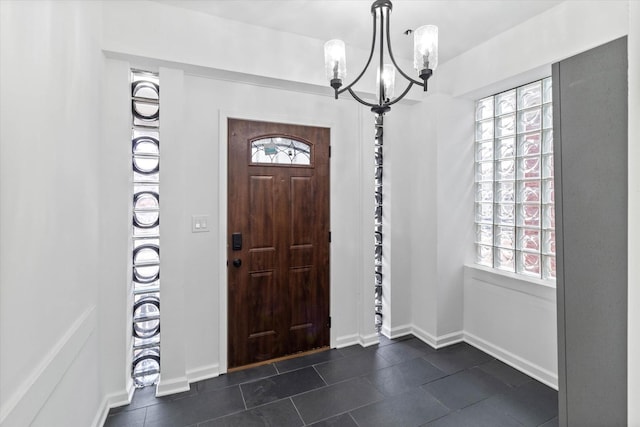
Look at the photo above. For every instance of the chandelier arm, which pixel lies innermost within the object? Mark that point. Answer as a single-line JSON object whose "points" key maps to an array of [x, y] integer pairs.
{"points": [[360, 100], [402, 95], [393, 60], [373, 45]]}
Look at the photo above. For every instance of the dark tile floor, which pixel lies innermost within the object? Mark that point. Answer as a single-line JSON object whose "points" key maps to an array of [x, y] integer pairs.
{"points": [[400, 382]]}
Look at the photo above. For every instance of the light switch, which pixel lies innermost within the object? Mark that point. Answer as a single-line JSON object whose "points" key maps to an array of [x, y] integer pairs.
{"points": [[199, 223]]}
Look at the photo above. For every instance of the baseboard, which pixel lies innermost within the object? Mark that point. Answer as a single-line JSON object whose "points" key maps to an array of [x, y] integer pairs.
{"points": [[124, 398], [519, 363], [439, 341], [31, 396], [173, 386], [385, 331], [203, 373], [363, 340], [368, 340], [101, 415], [398, 331], [449, 339], [112, 401], [347, 340]]}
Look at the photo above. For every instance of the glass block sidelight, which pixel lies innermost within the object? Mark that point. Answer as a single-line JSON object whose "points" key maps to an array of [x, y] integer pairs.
{"points": [[145, 284], [378, 223], [514, 170]]}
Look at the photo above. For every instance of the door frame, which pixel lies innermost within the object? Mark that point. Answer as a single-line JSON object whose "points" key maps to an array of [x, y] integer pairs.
{"points": [[223, 170]]}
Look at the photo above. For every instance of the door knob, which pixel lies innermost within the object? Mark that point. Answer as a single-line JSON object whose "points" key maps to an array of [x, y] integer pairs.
{"points": [[237, 262]]}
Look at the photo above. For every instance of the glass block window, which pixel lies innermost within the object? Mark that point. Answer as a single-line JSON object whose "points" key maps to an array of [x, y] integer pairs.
{"points": [[377, 253], [145, 151], [514, 199]]}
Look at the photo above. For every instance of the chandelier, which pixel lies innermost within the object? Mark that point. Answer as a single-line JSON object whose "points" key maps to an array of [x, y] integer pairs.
{"points": [[425, 60]]}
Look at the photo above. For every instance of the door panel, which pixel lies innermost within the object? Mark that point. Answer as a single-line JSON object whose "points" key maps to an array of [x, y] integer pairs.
{"points": [[261, 207], [279, 279], [302, 211]]}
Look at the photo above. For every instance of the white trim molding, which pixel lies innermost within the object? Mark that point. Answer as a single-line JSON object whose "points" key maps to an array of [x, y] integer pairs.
{"points": [[539, 373], [32, 395], [113, 400], [173, 386], [397, 332], [437, 342], [203, 373]]}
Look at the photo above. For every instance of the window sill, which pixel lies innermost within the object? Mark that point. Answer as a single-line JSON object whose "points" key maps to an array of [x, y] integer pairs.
{"points": [[545, 289]]}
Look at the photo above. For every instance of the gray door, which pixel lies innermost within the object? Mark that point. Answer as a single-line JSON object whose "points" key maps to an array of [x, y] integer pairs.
{"points": [[590, 136]]}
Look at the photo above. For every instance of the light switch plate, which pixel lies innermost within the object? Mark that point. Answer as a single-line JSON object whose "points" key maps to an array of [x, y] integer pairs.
{"points": [[199, 223]]}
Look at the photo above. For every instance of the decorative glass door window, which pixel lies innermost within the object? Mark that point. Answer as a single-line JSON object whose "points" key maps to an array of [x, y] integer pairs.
{"points": [[281, 151], [514, 199], [145, 148]]}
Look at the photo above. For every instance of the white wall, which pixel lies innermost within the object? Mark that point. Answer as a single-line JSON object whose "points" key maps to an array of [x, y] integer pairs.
{"points": [[230, 49], [427, 153], [50, 138], [514, 320], [402, 161], [455, 216], [558, 33], [115, 293], [421, 161]]}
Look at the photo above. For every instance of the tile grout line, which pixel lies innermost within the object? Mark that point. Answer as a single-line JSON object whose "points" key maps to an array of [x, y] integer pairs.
{"points": [[354, 420], [304, 423], [320, 375], [244, 402], [337, 415]]}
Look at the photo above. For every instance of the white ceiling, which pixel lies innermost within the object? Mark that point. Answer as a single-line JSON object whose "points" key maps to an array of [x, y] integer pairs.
{"points": [[462, 24]]}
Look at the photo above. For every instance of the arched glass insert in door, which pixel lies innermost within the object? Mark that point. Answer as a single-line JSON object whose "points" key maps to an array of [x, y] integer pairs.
{"points": [[281, 150]]}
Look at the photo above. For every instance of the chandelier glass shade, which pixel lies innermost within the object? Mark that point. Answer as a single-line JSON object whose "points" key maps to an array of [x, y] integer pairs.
{"points": [[425, 60]]}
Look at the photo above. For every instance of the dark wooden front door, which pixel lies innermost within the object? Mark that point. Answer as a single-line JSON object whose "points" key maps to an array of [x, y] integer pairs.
{"points": [[278, 240]]}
